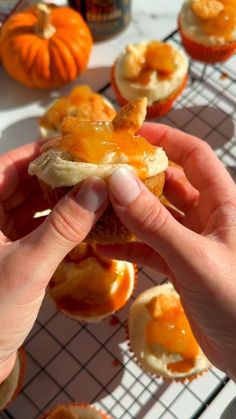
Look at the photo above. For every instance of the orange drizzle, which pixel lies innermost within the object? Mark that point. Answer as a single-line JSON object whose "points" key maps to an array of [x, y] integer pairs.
{"points": [[181, 366], [92, 142], [224, 24], [169, 328], [84, 288], [159, 58]]}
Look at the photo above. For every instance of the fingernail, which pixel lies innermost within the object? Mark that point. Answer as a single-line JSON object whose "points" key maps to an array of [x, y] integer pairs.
{"points": [[92, 194], [124, 186]]}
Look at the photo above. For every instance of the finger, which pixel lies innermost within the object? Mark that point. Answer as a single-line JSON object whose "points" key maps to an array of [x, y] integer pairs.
{"points": [[28, 188], [14, 168], [67, 225], [179, 191], [135, 253], [200, 164], [144, 215]]}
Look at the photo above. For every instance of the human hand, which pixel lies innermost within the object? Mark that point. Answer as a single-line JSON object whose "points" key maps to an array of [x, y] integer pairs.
{"points": [[196, 250], [30, 250]]}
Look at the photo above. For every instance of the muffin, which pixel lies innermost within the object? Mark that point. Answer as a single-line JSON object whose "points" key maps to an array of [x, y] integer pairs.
{"points": [[76, 411], [81, 102], [88, 148], [88, 287], [156, 70], [208, 29], [10, 387], [161, 338]]}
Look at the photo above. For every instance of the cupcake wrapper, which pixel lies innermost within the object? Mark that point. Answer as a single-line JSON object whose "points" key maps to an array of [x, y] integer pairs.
{"points": [[207, 54], [166, 379], [157, 109], [103, 414]]}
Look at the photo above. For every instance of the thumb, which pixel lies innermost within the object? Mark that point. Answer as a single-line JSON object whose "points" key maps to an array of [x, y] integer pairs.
{"points": [[144, 215], [68, 224]]}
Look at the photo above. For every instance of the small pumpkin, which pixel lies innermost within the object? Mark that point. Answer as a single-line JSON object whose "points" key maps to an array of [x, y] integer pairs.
{"points": [[45, 46]]}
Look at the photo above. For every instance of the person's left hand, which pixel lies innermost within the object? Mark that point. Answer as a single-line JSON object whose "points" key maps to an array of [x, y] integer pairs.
{"points": [[31, 248]]}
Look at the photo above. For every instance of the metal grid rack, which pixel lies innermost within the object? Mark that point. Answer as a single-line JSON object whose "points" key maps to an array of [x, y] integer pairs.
{"points": [[68, 360]]}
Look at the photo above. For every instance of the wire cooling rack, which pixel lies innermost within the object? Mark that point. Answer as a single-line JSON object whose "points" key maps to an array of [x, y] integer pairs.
{"points": [[70, 361]]}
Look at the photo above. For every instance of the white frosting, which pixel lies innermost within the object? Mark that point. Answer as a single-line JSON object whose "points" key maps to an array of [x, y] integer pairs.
{"points": [[155, 360], [55, 168], [120, 267], [9, 386], [157, 89], [191, 27]]}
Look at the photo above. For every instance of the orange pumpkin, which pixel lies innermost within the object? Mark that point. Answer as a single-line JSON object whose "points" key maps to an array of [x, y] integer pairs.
{"points": [[45, 46]]}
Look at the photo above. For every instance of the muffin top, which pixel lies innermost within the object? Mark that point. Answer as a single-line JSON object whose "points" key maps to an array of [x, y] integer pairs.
{"points": [[99, 148], [76, 411], [209, 22], [160, 335], [152, 69]]}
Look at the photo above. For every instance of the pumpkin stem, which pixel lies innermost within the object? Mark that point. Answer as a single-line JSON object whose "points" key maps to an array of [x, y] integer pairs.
{"points": [[43, 25]]}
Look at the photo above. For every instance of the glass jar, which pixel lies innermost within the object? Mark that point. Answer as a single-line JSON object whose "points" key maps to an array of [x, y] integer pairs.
{"points": [[105, 18]]}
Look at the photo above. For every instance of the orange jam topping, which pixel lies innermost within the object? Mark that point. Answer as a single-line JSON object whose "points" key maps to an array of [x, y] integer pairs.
{"points": [[82, 284], [83, 103], [159, 58], [169, 328], [94, 142], [217, 17]]}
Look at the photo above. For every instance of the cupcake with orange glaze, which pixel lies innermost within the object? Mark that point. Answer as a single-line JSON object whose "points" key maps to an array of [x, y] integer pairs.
{"points": [[156, 70], [98, 149], [82, 103], [76, 411], [208, 29], [161, 338], [90, 288], [11, 386]]}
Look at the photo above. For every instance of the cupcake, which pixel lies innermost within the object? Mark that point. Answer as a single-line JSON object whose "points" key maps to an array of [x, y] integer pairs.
{"points": [[83, 103], [98, 149], [11, 386], [156, 70], [76, 411], [161, 338], [88, 287], [208, 29]]}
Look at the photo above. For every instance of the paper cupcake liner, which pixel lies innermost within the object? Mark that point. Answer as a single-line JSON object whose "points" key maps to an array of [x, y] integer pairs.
{"points": [[157, 109], [98, 318], [152, 375], [22, 358], [99, 411], [207, 54]]}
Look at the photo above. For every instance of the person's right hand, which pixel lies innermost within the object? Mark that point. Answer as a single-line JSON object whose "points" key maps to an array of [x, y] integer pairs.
{"points": [[196, 251]]}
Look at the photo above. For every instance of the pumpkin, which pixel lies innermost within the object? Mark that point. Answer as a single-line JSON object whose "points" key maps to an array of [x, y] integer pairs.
{"points": [[45, 46]]}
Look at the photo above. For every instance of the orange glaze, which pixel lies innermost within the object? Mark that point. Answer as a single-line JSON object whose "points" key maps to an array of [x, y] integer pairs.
{"points": [[169, 328], [91, 143], [181, 366], [159, 58], [224, 24], [92, 308], [88, 293]]}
